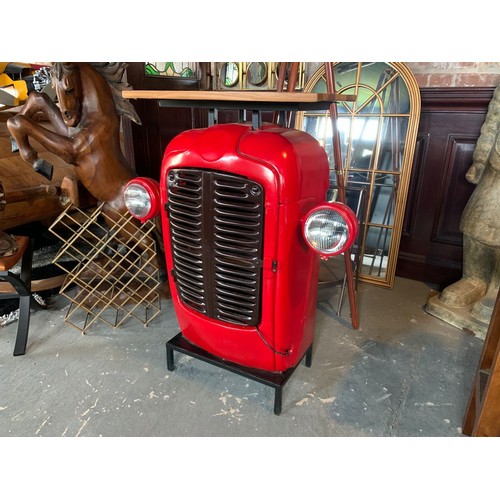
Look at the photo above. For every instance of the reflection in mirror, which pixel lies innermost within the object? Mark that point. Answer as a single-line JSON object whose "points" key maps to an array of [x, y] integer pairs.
{"points": [[257, 73], [377, 136], [375, 255], [230, 74], [299, 85]]}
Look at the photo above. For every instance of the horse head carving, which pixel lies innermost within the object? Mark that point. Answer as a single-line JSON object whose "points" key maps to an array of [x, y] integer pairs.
{"points": [[68, 87], [67, 83]]}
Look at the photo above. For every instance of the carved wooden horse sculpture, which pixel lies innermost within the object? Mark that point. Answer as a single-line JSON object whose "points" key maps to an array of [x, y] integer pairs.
{"points": [[86, 129]]}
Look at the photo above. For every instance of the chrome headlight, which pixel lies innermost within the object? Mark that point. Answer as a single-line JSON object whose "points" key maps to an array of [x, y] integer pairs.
{"points": [[142, 198], [330, 229]]}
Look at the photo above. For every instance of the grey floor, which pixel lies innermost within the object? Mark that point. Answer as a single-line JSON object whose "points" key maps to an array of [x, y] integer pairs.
{"points": [[403, 373]]}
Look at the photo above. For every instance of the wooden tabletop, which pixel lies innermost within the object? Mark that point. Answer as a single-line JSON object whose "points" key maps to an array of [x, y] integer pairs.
{"points": [[239, 96]]}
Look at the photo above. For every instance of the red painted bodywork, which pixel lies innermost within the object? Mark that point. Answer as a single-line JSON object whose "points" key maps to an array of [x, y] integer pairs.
{"points": [[293, 169]]}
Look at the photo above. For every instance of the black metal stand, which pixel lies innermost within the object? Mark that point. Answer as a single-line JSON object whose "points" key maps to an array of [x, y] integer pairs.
{"points": [[22, 286], [254, 106], [276, 380]]}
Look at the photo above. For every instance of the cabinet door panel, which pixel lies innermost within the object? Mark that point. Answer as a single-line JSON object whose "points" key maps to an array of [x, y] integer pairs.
{"points": [[431, 242]]}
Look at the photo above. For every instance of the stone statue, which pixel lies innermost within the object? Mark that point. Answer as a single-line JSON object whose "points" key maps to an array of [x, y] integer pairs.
{"points": [[469, 302]]}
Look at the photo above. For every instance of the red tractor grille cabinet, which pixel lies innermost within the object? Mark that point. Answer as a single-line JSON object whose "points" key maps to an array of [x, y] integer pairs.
{"points": [[242, 263]]}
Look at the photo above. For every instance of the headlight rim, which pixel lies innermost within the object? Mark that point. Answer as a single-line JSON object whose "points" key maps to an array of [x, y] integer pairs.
{"points": [[152, 189], [346, 214]]}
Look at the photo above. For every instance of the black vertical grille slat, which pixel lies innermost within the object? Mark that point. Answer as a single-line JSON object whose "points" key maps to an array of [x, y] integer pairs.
{"points": [[185, 220], [216, 226]]}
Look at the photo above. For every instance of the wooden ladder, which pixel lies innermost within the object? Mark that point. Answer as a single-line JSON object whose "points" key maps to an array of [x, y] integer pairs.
{"points": [[482, 417]]}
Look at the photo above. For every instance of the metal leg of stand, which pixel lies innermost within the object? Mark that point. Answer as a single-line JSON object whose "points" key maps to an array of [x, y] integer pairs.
{"points": [[23, 325], [278, 398], [24, 295], [170, 359], [272, 379], [278, 390], [22, 287], [309, 354], [256, 120], [212, 116]]}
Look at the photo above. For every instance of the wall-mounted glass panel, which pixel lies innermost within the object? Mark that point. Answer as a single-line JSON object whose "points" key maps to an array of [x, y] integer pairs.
{"points": [[375, 257], [362, 134], [358, 177], [173, 69], [383, 200], [395, 97], [346, 75], [392, 143]]}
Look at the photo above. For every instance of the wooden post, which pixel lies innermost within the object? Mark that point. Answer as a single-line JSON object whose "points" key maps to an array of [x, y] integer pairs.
{"points": [[339, 170], [482, 417]]}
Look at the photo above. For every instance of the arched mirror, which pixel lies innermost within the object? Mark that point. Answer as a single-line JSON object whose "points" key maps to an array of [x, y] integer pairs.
{"points": [[377, 134]]}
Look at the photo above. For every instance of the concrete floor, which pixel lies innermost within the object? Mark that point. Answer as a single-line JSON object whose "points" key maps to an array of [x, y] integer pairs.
{"points": [[403, 373]]}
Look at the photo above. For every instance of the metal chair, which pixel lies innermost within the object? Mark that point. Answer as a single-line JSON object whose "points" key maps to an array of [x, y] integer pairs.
{"points": [[22, 287]]}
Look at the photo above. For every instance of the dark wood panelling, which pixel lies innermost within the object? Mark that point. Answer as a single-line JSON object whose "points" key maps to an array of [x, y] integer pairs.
{"points": [[455, 187], [415, 187], [160, 125], [431, 242], [146, 143]]}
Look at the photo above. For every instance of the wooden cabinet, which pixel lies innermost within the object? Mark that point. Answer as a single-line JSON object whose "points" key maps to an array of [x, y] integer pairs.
{"points": [[431, 242]]}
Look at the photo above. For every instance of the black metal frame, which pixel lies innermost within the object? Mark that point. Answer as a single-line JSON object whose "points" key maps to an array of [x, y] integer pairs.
{"points": [[255, 107], [22, 285], [276, 380]]}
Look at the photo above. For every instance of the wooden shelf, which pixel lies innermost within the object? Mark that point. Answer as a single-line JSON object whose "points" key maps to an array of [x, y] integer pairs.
{"points": [[252, 100], [238, 96]]}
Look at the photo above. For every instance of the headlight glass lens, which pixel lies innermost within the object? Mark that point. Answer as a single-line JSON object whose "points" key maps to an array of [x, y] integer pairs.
{"points": [[326, 231], [137, 200]]}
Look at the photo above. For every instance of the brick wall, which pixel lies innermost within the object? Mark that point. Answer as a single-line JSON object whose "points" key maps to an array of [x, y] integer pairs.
{"points": [[456, 74], [447, 74]]}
